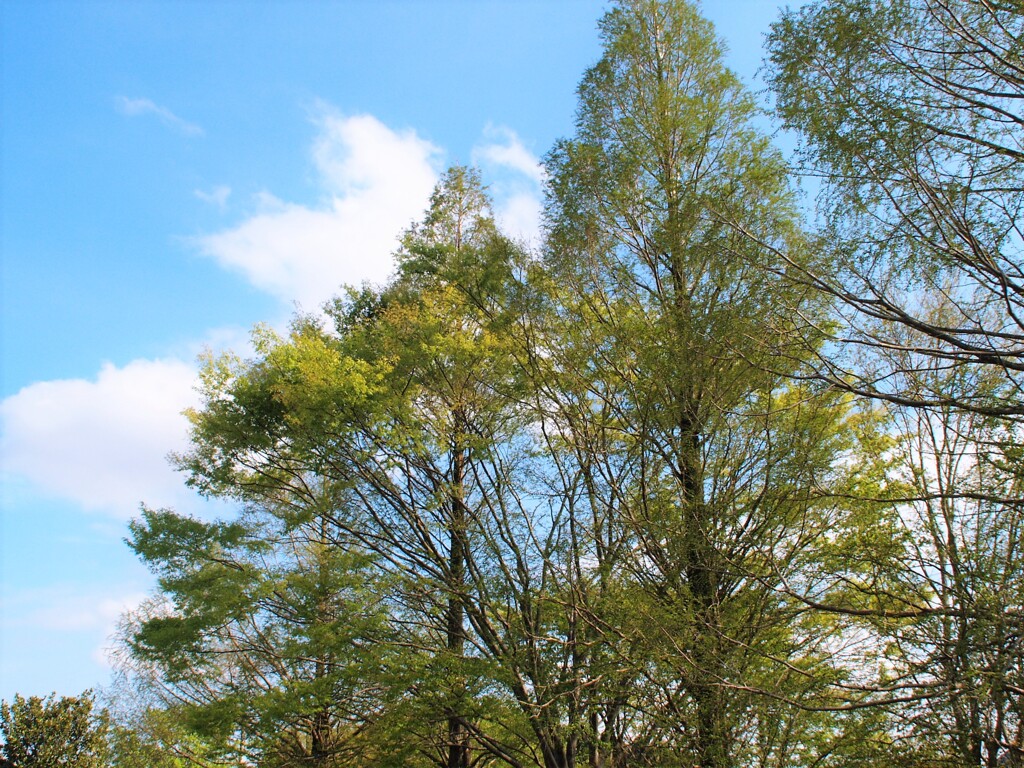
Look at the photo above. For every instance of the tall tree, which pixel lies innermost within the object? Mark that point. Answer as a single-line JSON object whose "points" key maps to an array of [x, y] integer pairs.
{"points": [[440, 344], [452, 480], [703, 459], [910, 114], [405, 404]]}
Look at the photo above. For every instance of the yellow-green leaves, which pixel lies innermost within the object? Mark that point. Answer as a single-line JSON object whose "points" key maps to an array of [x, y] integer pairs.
{"points": [[315, 380]]}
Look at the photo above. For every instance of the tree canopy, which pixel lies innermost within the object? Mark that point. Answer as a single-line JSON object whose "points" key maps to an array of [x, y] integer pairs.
{"points": [[702, 480], [51, 732]]}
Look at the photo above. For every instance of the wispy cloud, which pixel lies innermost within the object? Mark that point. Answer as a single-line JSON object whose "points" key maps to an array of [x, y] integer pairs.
{"points": [[218, 196], [72, 626], [137, 107], [69, 608], [502, 147], [375, 182]]}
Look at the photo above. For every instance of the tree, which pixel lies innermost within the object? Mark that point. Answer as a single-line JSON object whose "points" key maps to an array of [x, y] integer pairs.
{"points": [[909, 113], [134, 746], [701, 460], [956, 657], [267, 640], [419, 404], [52, 732], [457, 324], [397, 405], [439, 272]]}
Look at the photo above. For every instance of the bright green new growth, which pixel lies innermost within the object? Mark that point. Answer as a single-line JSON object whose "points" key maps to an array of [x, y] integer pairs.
{"points": [[621, 502]]}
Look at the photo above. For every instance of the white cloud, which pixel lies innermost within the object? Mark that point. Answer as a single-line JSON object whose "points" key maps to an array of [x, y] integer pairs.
{"points": [[520, 215], [502, 147], [217, 197], [376, 182], [516, 177], [136, 107], [103, 443]]}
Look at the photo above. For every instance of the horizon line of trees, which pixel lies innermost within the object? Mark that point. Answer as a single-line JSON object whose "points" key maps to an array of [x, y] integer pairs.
{"points": [[701, 481]]}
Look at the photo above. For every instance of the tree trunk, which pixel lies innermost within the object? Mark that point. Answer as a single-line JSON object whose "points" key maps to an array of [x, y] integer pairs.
{"points": [[458, 747]]}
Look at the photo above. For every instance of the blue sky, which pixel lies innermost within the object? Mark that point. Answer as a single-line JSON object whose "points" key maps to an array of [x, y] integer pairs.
{"points": [[172, 173]]}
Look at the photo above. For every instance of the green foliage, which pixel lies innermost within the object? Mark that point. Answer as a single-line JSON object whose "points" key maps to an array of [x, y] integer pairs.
{"points": [[268, 631], [676, 347], [54, 733], [619, 503], [131, 749], [909, 112]]}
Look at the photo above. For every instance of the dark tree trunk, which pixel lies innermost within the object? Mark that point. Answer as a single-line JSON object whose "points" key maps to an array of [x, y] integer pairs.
{"points": [[458, 747]]}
